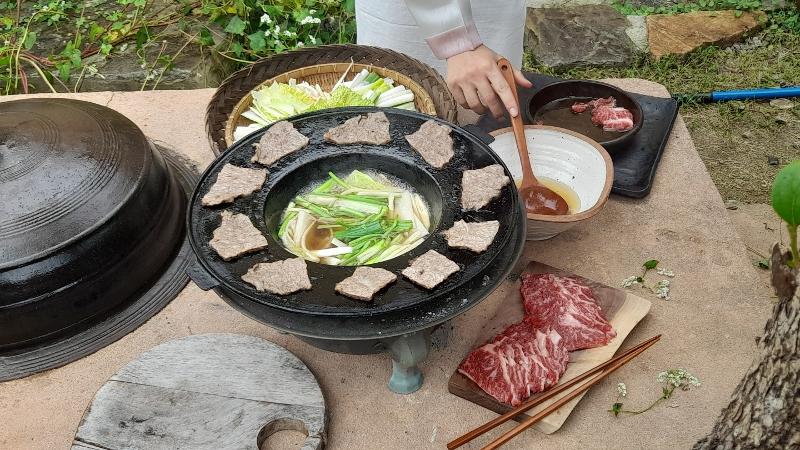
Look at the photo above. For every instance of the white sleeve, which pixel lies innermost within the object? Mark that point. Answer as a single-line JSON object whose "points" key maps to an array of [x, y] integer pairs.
{"points": [[446, 25]]}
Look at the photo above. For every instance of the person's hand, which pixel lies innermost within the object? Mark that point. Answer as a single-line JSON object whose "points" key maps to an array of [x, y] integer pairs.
{"points": [[477, 83]]}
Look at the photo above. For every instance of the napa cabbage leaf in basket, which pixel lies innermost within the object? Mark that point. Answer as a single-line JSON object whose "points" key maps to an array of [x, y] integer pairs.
{"points": [[341, 96], [278, 101]]}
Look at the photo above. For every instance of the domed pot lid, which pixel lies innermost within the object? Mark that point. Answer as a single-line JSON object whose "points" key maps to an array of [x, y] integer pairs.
{"points": [[92, 238]]}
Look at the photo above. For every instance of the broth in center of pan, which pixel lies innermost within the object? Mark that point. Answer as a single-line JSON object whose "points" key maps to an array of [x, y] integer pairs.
{"points": [[358, 219]]}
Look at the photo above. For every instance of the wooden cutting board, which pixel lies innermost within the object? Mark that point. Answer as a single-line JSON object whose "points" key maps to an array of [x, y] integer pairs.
{"points": [[205, 392], [623, 309]]}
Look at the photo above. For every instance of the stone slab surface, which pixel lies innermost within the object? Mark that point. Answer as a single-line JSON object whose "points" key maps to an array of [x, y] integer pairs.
{"points": [[759, 228], [591, 35], [680, 34], [718, 307]]}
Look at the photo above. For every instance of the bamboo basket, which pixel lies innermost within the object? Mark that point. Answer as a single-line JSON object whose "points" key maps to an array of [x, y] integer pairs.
{"points": [[406, 70], [326, 76]]}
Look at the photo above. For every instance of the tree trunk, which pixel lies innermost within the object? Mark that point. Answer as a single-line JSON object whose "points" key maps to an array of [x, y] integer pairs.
{"points": [[765, 409]]}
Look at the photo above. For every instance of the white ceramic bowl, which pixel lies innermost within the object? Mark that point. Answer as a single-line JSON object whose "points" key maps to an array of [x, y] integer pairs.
{"points": [[567, 157]]}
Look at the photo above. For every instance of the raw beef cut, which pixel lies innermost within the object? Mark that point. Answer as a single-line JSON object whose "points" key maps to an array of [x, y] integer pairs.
{"points": [[612, 118], [579, 107], [520, 361], [606, 113], [569, 307]]}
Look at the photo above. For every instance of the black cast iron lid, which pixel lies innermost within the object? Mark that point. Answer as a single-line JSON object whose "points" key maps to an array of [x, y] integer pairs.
{"points": [[62, 172], [90, 217], [291, 174]]}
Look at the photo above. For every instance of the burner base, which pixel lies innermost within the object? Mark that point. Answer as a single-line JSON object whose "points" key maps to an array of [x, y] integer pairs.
{"points": [[407, 351]]}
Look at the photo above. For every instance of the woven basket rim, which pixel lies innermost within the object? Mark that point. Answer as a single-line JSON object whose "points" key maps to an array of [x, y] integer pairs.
{"points": [[241, 82], [422, 99]]}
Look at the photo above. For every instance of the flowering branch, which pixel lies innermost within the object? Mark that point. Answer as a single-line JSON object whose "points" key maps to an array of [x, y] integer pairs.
{"points": [[672, 379]]}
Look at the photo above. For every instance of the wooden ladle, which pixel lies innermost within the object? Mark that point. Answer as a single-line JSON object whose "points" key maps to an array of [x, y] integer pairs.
{"points": [[539, 199]]}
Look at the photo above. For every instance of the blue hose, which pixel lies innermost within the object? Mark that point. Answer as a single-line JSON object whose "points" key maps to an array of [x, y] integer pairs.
{"points": [[740, 94], [755, 94]]}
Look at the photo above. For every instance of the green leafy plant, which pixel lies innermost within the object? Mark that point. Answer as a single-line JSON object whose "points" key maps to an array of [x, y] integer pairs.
{"points": [[239, 30], [786, 202], [671, 379], [256, 28]]}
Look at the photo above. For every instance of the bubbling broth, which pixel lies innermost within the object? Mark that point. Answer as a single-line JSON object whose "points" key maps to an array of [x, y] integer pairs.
{"points": [[365, 217]]}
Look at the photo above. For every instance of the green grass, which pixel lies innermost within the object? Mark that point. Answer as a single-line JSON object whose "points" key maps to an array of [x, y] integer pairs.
{"points": [[735, 139]]}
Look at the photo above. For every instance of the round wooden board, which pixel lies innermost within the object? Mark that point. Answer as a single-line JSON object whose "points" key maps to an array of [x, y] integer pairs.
{"points": [[211, 391]]}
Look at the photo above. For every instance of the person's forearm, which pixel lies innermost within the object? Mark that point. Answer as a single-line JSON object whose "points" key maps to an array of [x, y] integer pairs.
{"points": [[446, 24]]}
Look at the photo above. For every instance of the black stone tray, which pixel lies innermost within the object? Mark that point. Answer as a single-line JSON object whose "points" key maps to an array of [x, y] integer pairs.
{"points": [[634, 166]]}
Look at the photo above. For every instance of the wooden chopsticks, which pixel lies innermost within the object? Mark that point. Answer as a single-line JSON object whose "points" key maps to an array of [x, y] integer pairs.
{"points": [[595, 375]]}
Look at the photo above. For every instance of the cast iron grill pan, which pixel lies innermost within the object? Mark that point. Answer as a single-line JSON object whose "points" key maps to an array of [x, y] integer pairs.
{"points": [[292, 173]]}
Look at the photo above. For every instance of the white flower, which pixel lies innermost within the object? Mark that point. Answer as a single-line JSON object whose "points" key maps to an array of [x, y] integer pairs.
{"points": [[622, 389], [300, 44], [662, 289], [308, 19], [312, 39], [630, 281], [289, 33], [266, 19], [277, 30], [666, 272], [678, 378]]}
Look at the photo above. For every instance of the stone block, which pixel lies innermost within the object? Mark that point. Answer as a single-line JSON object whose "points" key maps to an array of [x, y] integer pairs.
{"points": [[590, 35], [682, 33]]}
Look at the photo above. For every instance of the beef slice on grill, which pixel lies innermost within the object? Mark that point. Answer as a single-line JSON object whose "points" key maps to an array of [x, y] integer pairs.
{"points": [[280, 277], [370, 129], [481, 186], [433, 142], [365, 283], [430, 269], [278, 141], [519, 362], [236, 236], [233, 182], [474, 236], [568, 306]]}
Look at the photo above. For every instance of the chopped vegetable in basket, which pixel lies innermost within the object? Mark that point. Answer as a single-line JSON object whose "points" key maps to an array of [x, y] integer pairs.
{"points": [[281, 100]]}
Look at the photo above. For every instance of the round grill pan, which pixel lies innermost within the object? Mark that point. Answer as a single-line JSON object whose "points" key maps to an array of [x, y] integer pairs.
{"points": [[293, 173]]}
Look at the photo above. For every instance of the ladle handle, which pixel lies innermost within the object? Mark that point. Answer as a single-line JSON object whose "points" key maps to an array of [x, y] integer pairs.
{"points": [[516, 123]]}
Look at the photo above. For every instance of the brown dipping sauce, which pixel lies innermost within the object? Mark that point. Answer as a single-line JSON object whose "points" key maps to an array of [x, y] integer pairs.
{"points": [[539, 200], [569, 196]]}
